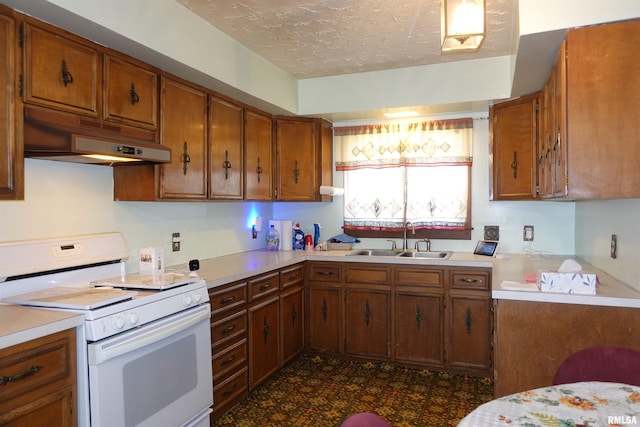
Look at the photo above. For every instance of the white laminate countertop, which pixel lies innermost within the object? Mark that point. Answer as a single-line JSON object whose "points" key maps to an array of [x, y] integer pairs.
{"points": [[19, 324], [611, 292]]}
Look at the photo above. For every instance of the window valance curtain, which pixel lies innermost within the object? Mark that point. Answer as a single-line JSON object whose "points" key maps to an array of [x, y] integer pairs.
{"points": [[427, 143]]}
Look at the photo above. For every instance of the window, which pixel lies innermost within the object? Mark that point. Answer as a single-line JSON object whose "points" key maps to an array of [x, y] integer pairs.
{"points": [[398, 172]]}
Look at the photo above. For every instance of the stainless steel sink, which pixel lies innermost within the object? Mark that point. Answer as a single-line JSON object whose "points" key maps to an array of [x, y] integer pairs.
{"points": [[374, 252], [433, 255], [405, 254]]}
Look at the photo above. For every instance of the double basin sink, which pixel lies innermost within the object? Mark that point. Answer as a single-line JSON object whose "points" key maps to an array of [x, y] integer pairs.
{"points": [[402, 254]]}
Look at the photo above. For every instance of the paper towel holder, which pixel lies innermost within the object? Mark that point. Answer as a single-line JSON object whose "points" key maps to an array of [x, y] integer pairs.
{"points": [[326, 190]]}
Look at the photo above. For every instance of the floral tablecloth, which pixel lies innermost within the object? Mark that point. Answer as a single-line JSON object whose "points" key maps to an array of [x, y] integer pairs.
{"points": [[587, 404]]}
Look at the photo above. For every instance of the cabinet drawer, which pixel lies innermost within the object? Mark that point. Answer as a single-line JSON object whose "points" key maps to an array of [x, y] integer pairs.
{"points": [[325, 272], [37, 367], [367, 273], [229, 360], [229, 391], [470, 279], [291, 276], [227, 298], [226, 330], [263, 286], [416, 276]]}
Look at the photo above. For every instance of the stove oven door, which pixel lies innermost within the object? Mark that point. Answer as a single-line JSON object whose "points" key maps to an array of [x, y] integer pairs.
{"points": [[157, 375]]}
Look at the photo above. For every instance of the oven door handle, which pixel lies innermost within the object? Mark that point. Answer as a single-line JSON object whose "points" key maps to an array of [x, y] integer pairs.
{"points": [[107, 352]]}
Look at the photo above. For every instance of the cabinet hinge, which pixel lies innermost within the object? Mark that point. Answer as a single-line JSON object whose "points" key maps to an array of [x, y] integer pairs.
{"points": [[20, 86], [444, 356], [71, 403], [21, 35], [444, 303]]}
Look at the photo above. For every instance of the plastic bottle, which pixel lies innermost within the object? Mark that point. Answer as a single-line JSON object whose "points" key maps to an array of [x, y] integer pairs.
{"points": [[316, 235], [308, 242], [298, 238], [273, 239]]}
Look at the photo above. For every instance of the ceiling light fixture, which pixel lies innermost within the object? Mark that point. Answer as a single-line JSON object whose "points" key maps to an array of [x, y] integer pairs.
{"points": [[462, 24], [401, 114]]}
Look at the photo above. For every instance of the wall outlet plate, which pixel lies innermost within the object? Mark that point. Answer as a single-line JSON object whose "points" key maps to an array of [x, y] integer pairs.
{"points": [[527, 233], [492, 232]]}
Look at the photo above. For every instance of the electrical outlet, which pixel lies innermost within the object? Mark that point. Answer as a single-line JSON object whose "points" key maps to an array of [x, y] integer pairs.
{"points": [[492, 232], [527, 233], [175, 242], [614, 246]]}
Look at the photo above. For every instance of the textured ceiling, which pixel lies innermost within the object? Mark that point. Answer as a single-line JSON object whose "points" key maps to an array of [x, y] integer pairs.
{"points": [[315, 38]]}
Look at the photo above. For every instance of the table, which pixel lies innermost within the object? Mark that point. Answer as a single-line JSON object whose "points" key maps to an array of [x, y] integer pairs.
{"points": [[566, 405]]}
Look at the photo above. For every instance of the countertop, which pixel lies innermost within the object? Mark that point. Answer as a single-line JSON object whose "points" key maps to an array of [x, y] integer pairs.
{"points": [[19, 324]]}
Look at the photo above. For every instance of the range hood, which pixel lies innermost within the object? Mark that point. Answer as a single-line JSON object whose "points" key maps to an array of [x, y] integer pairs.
{"points": [[54, 135]]}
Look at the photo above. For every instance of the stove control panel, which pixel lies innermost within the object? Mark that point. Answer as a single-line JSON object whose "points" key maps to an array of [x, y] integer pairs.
{"points": [[146, 308]]}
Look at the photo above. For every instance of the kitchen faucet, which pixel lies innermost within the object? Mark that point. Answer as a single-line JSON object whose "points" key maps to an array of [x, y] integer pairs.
{"points": [[427, 241], [404, 237]]}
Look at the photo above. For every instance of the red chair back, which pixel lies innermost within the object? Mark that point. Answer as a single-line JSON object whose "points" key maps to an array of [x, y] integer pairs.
{"points": [[607, 364]]}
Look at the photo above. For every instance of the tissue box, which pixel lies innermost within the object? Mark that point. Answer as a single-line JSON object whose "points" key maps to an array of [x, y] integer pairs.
{"points": [[568, 283], [151, 261]]}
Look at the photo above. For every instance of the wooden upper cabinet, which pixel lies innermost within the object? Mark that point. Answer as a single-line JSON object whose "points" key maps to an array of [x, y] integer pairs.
{"points": [[514, 133], [225, 149], [130, 92], [61, 71], [296, 159], [258, 166], [11, 156], [602, 100], [558, 124], [183, 129], [303, 157]]}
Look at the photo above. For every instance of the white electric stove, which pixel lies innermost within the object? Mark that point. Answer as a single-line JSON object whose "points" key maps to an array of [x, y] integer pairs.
{"points": [[162, 320]]}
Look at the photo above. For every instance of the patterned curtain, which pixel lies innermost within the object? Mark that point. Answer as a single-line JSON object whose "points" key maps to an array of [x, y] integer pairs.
{"points": [[399, 172]]}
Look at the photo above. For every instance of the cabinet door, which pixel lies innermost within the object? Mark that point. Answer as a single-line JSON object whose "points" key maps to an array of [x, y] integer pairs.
{"points": [[325, 312], [469, 332], [559, 124], [42, 389], [183, 129], [60, 71], [258, 161], [130, 93], [296, 157], [225, 150], [419, 327], [292, 316], [368, 322], [263, 341], [11, 157], [603, 83], [514, 141]]}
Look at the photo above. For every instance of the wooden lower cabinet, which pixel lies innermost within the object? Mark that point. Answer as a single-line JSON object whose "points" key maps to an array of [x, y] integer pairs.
{"points": [[42, 386], [324, 307], [469, 332], [229, 346], [419, 328], [435, 317], [367, 322], [291, 313], [264, 341], [533, 338]]}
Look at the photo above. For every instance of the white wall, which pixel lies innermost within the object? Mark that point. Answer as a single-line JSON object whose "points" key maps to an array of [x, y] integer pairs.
{"points": [[596, 221], [64, 199]]}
